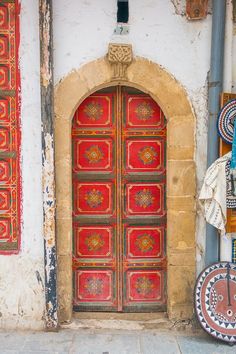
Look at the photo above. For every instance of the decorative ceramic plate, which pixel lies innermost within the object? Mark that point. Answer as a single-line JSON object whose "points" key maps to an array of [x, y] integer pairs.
{"points": [[215, 301], [226, 121]]}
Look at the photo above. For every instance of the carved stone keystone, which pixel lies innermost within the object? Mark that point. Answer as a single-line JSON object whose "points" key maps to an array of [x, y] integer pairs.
{"points": [[120, 56]]}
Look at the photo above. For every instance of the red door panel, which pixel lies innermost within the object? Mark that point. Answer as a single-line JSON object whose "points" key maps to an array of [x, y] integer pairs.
{"points": [[142, 112], [119, 207], [93, 198], [94, 241], [93, 155], [145, 199], [145, 155], [95, 286], [144, 287], [95, 111], [144, 242]]}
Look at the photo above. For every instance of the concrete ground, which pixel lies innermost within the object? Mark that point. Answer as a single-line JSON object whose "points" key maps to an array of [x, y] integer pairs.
{"points": [[112, 341]]}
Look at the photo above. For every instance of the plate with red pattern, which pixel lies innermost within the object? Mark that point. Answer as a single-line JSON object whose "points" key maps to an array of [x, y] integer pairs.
{"points": [[215, 301]]}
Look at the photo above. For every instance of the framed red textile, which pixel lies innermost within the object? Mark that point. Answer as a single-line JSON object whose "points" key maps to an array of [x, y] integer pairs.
{"points": [[10, 193]]}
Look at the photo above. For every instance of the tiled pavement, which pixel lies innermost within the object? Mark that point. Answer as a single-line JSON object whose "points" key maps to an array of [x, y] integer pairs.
{"points": [[111, 341]]}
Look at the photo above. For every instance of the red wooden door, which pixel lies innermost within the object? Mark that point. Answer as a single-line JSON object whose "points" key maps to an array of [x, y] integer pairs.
{"points": [[119, 211]]}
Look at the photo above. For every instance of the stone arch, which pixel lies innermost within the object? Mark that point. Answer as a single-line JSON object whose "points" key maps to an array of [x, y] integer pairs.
{"points": [[181, 182]]}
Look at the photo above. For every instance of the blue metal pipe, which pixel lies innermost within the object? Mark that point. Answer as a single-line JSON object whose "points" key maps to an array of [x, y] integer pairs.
{"points": [[215, 88]]}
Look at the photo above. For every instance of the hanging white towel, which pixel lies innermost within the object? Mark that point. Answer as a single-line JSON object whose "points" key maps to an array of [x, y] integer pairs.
{"points": [[213, 194]]}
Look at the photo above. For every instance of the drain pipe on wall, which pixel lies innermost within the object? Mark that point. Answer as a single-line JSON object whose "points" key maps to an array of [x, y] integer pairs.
{"points": [[215, 88]]}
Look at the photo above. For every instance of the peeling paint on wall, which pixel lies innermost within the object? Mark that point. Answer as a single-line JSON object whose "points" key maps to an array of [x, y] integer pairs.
{"points": [[48, 174], [179, 6]]}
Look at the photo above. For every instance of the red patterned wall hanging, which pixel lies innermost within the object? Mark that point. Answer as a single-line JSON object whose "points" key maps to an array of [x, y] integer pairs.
{"points": [[119, 209], [9, 128]]}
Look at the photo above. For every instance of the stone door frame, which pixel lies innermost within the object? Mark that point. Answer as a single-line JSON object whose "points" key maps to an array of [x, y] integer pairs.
{"points": [[150, 78]]}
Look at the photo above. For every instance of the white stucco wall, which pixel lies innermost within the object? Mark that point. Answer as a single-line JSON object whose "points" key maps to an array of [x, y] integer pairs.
{"points": [[21, 294], [157, 31]]}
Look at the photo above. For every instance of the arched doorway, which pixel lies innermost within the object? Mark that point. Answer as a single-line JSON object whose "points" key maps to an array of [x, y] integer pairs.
{"points": [[119, 202], [152, 79]]}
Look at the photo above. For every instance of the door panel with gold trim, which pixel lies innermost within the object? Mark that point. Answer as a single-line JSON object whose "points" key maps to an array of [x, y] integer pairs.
{"points": [[119, 205]]}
